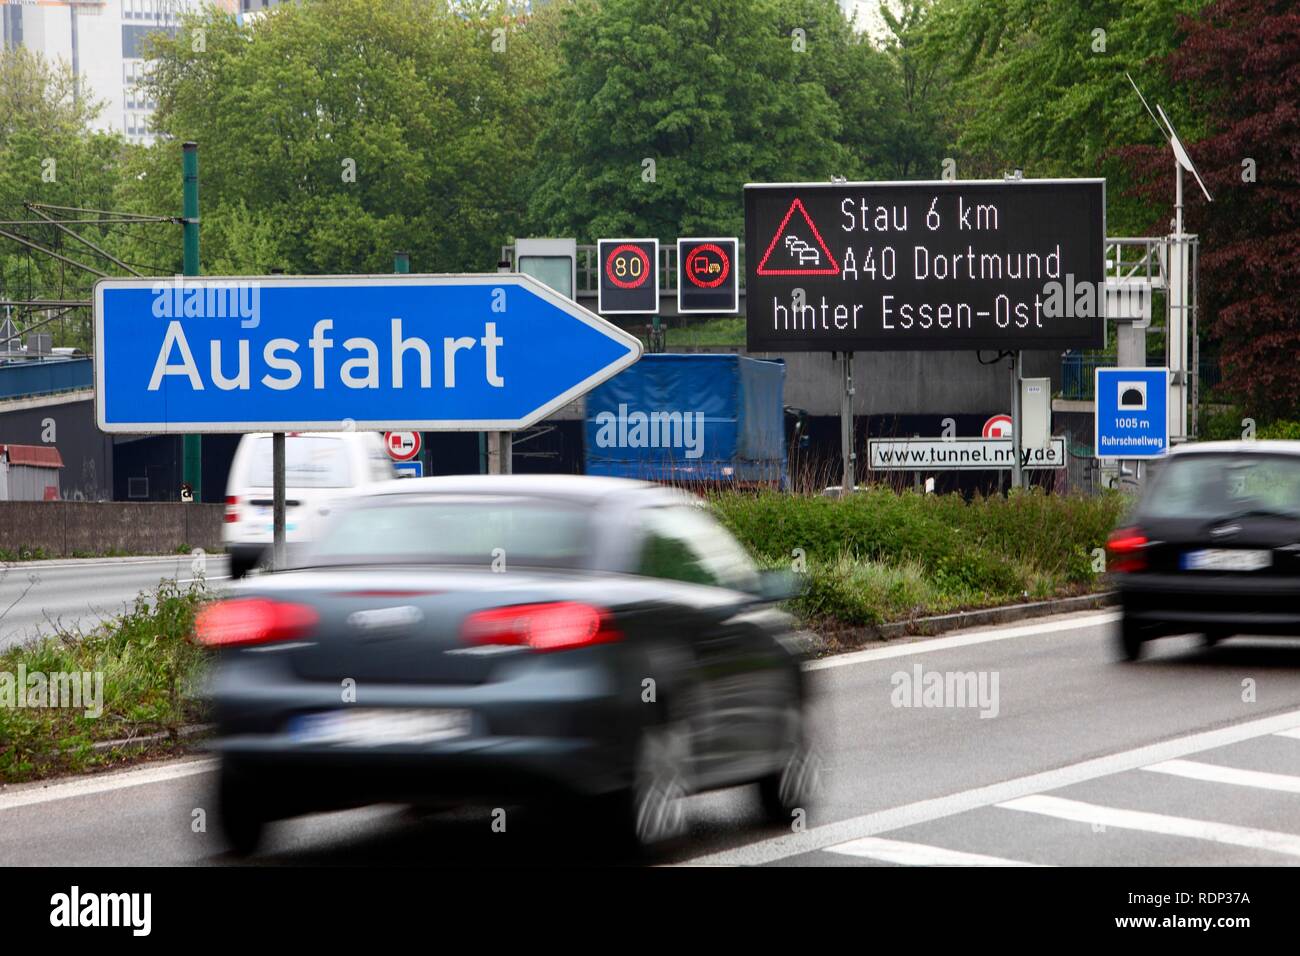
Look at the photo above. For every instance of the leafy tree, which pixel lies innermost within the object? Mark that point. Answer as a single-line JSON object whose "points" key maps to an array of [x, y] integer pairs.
{"points": [[336, 132], [713, 93], [1239, 61], [1042, 86], [913, 114], [48, 154]]}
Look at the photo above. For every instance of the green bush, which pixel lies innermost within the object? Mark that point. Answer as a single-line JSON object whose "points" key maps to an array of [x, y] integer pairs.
{"points": [[148, 666], [1280, 431], [880, 555], [1222, 425]]}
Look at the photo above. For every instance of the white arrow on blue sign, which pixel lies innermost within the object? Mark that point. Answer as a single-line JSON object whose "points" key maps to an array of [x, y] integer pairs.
{"points": [[318, 353], [1132, 412]]}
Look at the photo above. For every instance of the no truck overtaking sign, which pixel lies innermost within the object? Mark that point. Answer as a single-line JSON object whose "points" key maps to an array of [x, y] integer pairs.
{"points": [[925, 265], [402, 446]]}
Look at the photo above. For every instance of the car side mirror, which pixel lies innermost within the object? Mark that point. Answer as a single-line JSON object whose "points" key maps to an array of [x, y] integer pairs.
{"points": [[778, 585]]}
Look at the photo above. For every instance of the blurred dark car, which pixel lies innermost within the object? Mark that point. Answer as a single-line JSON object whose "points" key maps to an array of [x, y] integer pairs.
{"points": [[1212, 546], [508, 638]]}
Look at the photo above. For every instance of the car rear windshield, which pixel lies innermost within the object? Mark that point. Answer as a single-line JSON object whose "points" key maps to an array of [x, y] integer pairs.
{"points": [[309, 462], [492, 531], [1215, 486]]}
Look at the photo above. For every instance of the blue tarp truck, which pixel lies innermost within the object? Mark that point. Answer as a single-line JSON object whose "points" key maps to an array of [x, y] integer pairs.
{"points": [[701, 420]]}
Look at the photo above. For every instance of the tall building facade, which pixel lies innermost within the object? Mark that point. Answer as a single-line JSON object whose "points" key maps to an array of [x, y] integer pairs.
{"points": [[102, 41]]}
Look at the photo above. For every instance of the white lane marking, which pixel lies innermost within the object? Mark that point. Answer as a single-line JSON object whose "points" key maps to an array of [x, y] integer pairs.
{"points": [[1214, 773], [964, 639], [85, 786], [917, 854], [88, 563], [1079, 812], [923, 811], [1293, 733]]}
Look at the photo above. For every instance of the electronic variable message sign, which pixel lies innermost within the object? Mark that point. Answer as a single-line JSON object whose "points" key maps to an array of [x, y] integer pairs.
{"points": [[981, 264], [707, 276], [629, 276]]}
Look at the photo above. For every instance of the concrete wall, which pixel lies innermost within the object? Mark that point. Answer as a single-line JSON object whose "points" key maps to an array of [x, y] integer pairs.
{"points": [[908, 383], [70, 528]]}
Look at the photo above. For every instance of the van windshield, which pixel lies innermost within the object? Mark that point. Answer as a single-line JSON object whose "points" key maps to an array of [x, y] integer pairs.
{"points": [[309, 462]]}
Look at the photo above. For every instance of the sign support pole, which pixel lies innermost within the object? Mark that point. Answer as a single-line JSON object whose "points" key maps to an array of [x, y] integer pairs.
{"points": [[849, 482], [191, 445], [499, 462], [1017, 369], [277, 500], [1130, 352], [498, 443]]}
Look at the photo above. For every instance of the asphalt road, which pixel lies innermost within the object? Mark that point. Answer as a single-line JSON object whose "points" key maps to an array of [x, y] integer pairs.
{"points": [[1086, 761], [36, 597]]}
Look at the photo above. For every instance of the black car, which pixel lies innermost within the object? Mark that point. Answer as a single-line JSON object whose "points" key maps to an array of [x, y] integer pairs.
{"points": [[1212, 546], [507, 638]]}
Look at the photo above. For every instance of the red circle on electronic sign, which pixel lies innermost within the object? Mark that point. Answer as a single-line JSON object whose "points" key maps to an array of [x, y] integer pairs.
{"points": [[716, 250], [645, 266]]}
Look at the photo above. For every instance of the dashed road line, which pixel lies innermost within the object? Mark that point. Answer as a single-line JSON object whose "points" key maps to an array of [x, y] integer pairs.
{"points": [[1095, 814]]}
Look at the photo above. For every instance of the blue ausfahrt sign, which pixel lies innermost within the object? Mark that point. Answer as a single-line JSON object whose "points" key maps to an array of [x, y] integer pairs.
{"points": [[1132, 412], [280, 353]]}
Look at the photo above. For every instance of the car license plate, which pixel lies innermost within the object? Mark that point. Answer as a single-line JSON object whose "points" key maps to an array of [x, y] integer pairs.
{"points": [[380, 727], [1227, 559]]}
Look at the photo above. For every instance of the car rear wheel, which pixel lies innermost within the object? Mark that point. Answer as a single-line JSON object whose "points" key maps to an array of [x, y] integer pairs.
{"points": [[792, 788], [1131, 638], [242, 823], [650, 814]]}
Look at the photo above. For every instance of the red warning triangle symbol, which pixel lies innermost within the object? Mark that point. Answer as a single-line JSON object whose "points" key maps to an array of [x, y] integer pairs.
{"points": [[795, 255]]}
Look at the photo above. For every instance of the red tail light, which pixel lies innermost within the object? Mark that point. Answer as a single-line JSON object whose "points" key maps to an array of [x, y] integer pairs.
{"points": [[557, 626], [232, 509], [1124, 547], [244, 621]]}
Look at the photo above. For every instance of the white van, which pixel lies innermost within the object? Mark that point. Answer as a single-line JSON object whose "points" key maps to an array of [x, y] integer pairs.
{"points": [[319, 467]]}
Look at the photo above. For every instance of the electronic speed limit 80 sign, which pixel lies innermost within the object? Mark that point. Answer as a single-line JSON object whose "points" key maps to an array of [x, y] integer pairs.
{"points": [[629, 276], [707, 276]]}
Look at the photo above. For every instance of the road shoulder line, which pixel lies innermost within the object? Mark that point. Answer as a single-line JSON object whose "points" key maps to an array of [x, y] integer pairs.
{"points": [[24, 795], [1076, 621]]}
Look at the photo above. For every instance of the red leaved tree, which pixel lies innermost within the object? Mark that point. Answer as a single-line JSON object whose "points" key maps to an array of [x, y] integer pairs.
{"points": [[1240, 63]]}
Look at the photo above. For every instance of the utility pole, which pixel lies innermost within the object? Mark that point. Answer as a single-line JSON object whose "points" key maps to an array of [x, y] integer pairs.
{"points": [[192, 456], [1017, 478], [497, 445], [849, 482]]}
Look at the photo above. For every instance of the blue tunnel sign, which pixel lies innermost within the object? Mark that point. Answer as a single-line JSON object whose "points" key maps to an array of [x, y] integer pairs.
{"points": [[1132, 412]]}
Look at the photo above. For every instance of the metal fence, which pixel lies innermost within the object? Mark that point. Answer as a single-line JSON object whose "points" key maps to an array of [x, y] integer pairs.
{"points": [[1077, 368]]}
